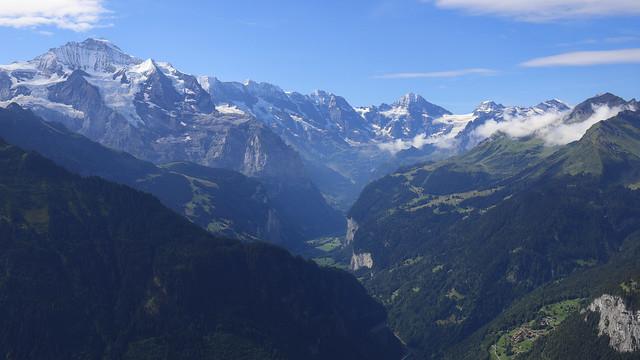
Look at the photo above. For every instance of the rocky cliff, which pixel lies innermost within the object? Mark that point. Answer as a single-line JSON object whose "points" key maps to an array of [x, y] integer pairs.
{"points": [[619, 323]]}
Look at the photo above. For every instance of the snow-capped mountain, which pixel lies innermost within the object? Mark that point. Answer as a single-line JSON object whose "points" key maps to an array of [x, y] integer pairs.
{"points": [[92, 55], [491, 111], [334, 141], [157, 113], [341, 145], [406, 118], [291, 114], [147, 108]]}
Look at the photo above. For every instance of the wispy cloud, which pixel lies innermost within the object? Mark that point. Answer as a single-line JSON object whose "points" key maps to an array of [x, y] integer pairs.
{"points": [[587, 58], [608, 40], [75, 15], [543, 10], [437, 74]]}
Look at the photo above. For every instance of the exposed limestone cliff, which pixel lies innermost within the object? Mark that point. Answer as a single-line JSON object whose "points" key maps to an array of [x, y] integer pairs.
{"points": [[622, 325], [352, 228], [360, 261]]}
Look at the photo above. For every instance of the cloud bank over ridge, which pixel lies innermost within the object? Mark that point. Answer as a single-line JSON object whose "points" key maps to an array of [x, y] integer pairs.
{"points": [[549, 127]]}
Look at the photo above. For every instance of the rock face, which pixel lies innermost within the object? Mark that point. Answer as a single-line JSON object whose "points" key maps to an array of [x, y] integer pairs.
{"points": [[222, 201], [361, 261], [406, 118], [620, 324], [5, 87], [352, 228]]}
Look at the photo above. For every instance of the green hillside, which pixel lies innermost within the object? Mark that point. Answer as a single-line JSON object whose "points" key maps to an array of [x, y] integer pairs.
{"points": [[222, 201], [457, 242], [94, 270]]}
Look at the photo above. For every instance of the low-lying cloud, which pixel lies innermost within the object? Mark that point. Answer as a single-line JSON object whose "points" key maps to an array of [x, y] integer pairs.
{"points": [[447, 141], [75, 15], [549, 127], [398, 145]]}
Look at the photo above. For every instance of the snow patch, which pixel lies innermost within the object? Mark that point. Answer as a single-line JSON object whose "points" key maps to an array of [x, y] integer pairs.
{"points": [[229, 109], [395, 112], [145, 68], [118, 96], [363, 111], [32, 102]]}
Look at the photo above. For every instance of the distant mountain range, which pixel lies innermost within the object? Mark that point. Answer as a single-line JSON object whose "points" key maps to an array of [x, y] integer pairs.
{"points": [[155, 112]]}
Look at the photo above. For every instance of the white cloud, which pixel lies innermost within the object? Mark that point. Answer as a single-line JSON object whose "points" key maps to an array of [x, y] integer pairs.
{"points": [[549, 127], [418, 142], [544, 10], [398, 145], [437, 74], [587, 58], [565, 133], [76, 15], [518, 126]]}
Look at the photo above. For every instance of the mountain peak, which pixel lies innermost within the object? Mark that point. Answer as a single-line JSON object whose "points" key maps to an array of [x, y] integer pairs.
{"points": [[554, 105], [614, 141], [586, 108], [416, 104], [325, 98], [264, 89], [321, 93], [489, 106], [95, 42], [321, 96], [410, 99], [93, 55], [146, 67], [606, 99]]}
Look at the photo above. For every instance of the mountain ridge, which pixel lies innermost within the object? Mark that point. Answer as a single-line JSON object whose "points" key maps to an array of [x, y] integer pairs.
{"points": [[148, 107], [158, 113], [97, 270], [470, 235]]}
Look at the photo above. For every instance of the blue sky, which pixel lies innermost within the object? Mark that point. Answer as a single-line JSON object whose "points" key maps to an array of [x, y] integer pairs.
{"points": [[455, 53]]}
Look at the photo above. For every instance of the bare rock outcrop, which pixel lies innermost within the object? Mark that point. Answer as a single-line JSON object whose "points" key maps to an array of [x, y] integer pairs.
{"points": [[620, 324]]}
